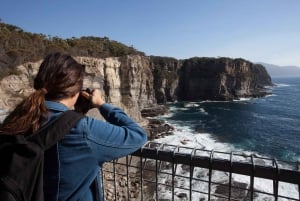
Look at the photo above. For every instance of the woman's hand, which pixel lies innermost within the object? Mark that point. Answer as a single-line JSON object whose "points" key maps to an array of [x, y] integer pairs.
{"points": [[95, 97]]}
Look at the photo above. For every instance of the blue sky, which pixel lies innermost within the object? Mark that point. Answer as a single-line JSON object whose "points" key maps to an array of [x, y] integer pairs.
{"points": [[256, 30]]}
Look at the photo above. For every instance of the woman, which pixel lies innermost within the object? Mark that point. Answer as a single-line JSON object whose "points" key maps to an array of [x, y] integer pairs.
{"points": [[72, 166]]}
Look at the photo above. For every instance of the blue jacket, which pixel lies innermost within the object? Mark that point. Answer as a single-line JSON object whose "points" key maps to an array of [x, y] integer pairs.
{"points": [[75, 162]]}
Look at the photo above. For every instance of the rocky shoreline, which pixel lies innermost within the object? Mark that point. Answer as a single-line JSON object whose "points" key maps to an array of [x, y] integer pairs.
{"points": [[156, 128]]}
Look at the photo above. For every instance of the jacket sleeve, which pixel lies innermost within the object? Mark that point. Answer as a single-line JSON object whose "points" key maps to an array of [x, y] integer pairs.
{"points": [[115, 138]]}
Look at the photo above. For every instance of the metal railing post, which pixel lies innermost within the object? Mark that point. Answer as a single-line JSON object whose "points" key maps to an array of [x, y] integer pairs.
{"points": [[210, 173], [276, 181], [230, 177], [141, 164], [252, 178], [191, 174], [114, 179]]}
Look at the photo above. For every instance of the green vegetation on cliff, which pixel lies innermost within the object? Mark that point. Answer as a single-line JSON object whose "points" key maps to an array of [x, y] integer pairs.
{"points": [[164, 67], [18, 46]]}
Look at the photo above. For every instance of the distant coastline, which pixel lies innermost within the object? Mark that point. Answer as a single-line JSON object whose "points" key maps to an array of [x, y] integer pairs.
{"points": [[276, 71]]}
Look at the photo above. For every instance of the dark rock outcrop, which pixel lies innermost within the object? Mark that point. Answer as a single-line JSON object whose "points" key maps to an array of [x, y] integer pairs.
{"points": [[202, 78], [165, 74], [156, 128]]}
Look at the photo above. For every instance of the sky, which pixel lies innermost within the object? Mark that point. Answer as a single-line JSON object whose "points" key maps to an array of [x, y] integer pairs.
{"points": [[256, 30]]}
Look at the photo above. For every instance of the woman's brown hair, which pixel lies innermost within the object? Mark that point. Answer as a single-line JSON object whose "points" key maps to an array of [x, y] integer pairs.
{"points": [[59, 77]]}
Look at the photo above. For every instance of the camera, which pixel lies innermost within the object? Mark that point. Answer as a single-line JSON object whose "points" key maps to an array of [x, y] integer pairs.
{"points": [[83, 105]]}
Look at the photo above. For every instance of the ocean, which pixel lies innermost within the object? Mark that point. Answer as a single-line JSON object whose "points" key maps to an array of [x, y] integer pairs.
{"points": [[267, 126]]}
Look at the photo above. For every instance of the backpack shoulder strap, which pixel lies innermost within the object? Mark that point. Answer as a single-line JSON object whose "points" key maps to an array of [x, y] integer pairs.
{"points": [[55, 130]]}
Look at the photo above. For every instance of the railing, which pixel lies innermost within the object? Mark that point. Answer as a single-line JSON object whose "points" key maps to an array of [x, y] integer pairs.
{"points": [[161, 172]]}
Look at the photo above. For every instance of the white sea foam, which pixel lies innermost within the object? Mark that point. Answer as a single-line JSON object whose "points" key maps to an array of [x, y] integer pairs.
{"points": [[270, 95], [242, 99], [281, 85], [202, 110], [191, 104], [183, 109], [167, 115], [186, 137], [215, 101]]}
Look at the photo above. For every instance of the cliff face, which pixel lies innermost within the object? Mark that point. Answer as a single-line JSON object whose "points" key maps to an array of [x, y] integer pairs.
{"points": [[125, 81], [15, 87], [137, 82], [208, 79], [165, 73], [221, 79]]}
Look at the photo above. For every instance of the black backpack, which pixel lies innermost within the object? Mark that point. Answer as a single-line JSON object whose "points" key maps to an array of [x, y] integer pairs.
{"points": [[22, 159]]}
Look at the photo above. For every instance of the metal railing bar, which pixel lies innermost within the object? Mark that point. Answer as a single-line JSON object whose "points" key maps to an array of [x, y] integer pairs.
{"points": [[298, 168], [191, 175], [102, 182], [252, 178], [156, 176], [114, 179], [210, 172], [144, 164], [191, 181], [173, 175], [291, 176], [230, 177], [275, 181], [141, 179], [127, 175]]}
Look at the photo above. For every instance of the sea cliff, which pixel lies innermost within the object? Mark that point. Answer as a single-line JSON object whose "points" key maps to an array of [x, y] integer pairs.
{"points": [[136, 82], [203, 78]]}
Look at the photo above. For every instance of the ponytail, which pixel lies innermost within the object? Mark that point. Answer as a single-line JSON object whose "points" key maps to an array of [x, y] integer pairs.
{"points": [[27, 117]]}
